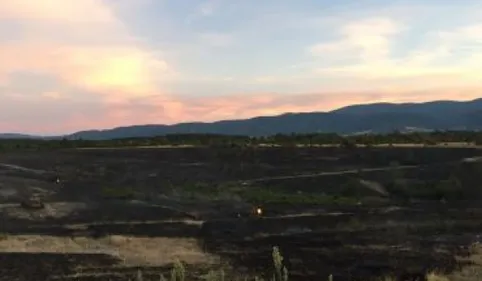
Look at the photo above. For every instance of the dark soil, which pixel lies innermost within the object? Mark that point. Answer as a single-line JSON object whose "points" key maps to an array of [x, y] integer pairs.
{"points": [[360, 242], [86, 267], [43, 266], [335, 245]]}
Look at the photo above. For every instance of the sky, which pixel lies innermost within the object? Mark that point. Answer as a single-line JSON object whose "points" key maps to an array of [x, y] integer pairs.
{"points": [[69, 65]]}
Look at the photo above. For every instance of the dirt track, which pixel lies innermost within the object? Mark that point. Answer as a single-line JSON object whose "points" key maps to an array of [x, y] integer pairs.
{"points": [[323, 174], [20, 168]]}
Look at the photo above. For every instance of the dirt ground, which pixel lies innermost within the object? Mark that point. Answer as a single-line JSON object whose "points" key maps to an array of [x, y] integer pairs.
{"points": [[116, 211]]}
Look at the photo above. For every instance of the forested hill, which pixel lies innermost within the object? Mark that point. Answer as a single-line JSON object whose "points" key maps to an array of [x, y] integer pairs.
{"points": [[375, 118]]}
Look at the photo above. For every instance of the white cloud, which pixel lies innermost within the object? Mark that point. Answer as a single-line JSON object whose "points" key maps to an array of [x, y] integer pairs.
{"points": [[453, 56], [472, 32], [367, 40]]}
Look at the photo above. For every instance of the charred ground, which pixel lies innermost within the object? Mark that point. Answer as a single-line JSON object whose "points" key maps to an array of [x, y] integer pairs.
{"points": [[352, 212]]}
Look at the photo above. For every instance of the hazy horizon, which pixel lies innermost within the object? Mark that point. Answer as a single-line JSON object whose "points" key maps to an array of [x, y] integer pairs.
{"points": [[196, 121], [70, 65]]}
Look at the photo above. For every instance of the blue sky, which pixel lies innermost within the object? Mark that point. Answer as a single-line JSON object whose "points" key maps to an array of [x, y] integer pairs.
{"points": [[167, 61]]}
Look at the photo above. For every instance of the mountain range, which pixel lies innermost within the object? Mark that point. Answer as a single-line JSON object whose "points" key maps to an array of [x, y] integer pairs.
{"points": [[374, 118]]}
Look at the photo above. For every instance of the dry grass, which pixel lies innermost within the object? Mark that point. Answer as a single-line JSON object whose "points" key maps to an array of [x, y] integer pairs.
{"points": [[472, 272], [134, 251]]}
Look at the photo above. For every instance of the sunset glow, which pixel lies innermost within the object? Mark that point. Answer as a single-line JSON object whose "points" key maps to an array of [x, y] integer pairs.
{"points": [[69, 65]]}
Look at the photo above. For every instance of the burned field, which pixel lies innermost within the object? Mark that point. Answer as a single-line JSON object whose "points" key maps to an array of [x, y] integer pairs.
{"points": [[355, 213]]}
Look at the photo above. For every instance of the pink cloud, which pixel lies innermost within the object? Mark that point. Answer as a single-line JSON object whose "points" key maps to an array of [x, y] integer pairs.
{"points": [[82, 44], [104, 69]]}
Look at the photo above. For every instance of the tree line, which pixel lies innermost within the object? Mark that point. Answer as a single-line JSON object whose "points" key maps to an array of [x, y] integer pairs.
{"points": [[215, 140]]}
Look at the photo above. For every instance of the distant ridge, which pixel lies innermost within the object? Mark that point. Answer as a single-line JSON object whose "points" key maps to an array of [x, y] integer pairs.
{"points": [[375, 118], [17, 136]]}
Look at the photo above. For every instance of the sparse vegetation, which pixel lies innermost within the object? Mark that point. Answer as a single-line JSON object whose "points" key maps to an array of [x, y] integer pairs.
{"points": [[443, 138], [281, 273]]}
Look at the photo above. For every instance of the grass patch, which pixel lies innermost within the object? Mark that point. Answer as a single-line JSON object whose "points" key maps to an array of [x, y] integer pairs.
{"points": [[263, 195]]}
